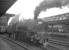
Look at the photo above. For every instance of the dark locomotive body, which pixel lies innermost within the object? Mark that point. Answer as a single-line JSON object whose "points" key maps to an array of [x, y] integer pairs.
{"points": [[26, 32]]}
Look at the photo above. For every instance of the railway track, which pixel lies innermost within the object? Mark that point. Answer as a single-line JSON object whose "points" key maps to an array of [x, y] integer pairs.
{"points": [[16, 43], [64, 43], [61, 45], [23, 45]]}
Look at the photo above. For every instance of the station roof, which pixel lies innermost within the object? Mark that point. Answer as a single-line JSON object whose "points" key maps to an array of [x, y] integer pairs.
{"points": [[56, 17], [5, 5]]}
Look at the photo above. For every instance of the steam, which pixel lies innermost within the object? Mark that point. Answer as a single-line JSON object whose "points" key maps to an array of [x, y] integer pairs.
{"points": [[13, 20], [10, 19], [46, 4]]}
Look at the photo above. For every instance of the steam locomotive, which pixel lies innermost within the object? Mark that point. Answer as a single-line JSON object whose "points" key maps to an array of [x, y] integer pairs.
{"points": [[51, 34], [29, 31]]}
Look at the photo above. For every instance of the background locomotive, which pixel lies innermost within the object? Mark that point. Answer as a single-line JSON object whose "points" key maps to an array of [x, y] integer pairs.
{"points": [[58, 32]]}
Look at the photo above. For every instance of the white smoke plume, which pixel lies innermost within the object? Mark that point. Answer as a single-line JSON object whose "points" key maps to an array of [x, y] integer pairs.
{"points": [[46, 4]]}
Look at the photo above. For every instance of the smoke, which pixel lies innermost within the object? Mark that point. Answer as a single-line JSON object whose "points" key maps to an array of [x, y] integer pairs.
{"points": [[46, 4], [37, 12]]}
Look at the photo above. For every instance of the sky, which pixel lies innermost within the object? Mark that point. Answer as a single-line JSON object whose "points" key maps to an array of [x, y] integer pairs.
{"points": [[26, 9]]}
